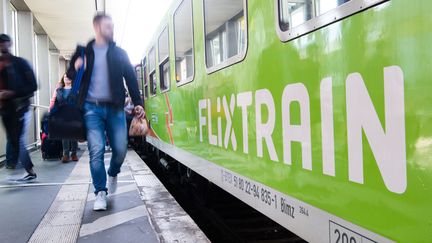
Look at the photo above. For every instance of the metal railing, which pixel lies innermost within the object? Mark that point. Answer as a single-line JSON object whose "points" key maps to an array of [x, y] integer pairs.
{"points": [[36, 127], [39, 106]]}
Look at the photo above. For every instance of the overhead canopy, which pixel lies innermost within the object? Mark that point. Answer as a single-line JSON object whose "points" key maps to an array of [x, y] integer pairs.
{"points": [[67, 22]]}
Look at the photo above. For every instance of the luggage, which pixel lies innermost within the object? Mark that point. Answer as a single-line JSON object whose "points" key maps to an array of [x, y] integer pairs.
{"points": [[50, 148], [66, 120]]}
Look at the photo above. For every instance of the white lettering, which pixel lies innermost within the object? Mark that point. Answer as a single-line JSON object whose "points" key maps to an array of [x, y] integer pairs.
{"points": [[229, 131], [264, 131], [327, 129], [299, 133], [212, 137], [388, 146], [386, 140], [219, 122], [244, 100], [202, 104]]}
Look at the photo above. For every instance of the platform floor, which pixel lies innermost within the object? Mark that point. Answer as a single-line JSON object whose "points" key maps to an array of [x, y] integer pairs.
{"points": [[57, 206]]}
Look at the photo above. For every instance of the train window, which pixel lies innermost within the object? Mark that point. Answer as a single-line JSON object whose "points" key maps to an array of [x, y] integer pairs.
{"points": [[164, 65], [323, 6], [294, 13], [298, 17], [183, 43], [138, 71], [225, 32], [145, 79], [152, 70]]}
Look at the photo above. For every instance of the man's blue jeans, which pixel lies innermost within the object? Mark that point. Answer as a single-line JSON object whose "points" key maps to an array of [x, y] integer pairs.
{"points": [[11, 154], [101, 118], [16, 124]]}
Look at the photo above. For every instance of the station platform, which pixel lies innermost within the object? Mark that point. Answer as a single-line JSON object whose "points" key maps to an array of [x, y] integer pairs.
{"points": [[58, 206]]}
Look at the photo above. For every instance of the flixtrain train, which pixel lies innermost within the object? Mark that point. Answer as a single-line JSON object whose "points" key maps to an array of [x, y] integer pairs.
{"points": [[317, 113]]}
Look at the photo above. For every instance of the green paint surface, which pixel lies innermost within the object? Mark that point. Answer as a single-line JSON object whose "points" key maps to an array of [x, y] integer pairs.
{"points": [[396, 32]]}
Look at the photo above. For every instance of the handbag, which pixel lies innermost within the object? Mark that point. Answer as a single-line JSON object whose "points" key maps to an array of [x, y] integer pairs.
{"points": [[138, 127], [66, 121]]}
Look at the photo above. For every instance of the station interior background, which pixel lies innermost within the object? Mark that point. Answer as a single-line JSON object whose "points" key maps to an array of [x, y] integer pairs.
{"points": [[46, 32]]}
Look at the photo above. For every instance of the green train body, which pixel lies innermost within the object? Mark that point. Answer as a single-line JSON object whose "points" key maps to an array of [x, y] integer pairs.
{"points": [[328, 133]]}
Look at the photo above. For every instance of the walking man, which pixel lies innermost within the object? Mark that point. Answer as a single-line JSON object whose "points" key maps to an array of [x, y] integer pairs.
{"points": [[102, 96], [17, 85], [11, 157]]}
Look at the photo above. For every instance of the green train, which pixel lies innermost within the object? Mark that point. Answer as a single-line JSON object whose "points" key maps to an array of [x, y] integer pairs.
{"points": [[317, 113]]}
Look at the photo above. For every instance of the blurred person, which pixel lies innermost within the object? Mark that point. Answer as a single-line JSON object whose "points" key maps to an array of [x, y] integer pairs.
{"points": [[128, 108], [11, 157], [59, 97], [102, 96], [17, 86]]}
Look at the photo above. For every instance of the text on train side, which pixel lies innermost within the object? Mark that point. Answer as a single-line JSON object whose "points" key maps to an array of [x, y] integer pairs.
{"points": [[386, 142]]}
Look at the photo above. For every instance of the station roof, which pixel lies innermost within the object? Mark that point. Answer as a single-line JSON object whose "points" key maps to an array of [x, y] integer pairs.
{"points": [[66, 22]]}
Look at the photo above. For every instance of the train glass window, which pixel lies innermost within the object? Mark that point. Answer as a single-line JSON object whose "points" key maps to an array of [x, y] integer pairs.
{"points": [[294, 13], [327, 5], [138, 71], [152, 70], [145, 79], [225, 32], [164, 67], [298, 17], [139, 75], [183, 43], [153, 83], [214, 56]]}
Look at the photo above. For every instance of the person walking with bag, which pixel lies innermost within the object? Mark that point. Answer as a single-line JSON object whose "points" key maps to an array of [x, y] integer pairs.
{"points": [[17, 86], [60, 97], [102, 97]]}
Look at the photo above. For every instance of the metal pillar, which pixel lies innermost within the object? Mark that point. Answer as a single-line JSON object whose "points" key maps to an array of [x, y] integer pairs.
{"points": [[4, 28], [26, 50], [5, 16], [26, 43], [62, 66], [43, 69], [55, 74]]}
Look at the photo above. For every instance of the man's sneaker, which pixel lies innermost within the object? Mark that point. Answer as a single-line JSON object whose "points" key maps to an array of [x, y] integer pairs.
{"points": [[107, 149], [28, 177], [112, 184], [100, 203]]}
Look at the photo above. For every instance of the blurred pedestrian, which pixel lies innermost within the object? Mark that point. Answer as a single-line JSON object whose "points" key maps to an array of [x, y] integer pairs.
{"points": [[102, 95], [11, 157], [59, 97], [128, 108], [17, 85]]}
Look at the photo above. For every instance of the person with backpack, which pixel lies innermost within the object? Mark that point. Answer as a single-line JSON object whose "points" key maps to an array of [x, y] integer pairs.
{"points": [[60, 97]]}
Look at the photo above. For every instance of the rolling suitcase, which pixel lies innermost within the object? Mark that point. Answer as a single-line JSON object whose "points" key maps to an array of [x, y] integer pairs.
{"points": [[50, 148]]}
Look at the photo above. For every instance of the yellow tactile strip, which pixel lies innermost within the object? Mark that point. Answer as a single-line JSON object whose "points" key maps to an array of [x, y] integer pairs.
{"points": [[62, 222]]}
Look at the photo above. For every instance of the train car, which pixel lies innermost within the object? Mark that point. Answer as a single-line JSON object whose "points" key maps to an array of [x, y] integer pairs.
{"points": [[316, 113]]}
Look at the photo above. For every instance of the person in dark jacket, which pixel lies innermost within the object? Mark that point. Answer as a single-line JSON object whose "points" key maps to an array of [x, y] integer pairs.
{"points": [[60, 97], [11, 157], [17, 85], [102, 97]]}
